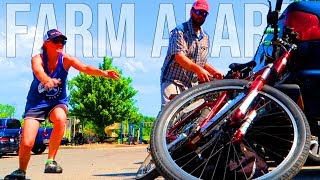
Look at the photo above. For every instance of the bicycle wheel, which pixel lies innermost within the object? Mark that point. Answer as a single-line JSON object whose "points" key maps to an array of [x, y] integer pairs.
{"points": [[279, 134], [147, 169]]}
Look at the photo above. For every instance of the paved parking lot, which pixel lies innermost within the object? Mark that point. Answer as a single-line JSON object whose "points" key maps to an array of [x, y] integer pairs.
{"points": [[86, 162]]}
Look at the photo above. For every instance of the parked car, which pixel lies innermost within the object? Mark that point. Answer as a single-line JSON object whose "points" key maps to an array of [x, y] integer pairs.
{"points": [[42, 140], [10, 135]]}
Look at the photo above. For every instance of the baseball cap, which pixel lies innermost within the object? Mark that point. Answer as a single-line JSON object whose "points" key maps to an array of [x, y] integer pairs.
{"points": [[52, 34], [201, 5]]}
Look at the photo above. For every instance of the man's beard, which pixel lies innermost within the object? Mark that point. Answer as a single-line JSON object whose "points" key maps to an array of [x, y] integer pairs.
{"points": [[196, 23]]}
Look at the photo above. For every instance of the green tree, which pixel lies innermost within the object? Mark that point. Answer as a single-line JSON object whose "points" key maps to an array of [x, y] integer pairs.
{"points": [[147, 128], [6, 111], [147, 119], [102, 101]]}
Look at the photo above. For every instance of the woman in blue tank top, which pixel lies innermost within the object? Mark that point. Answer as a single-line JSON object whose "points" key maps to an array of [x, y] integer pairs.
{"points": [[47, 97]]}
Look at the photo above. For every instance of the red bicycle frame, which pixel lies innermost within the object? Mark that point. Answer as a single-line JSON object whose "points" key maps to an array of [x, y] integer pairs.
{"points": [[242, 113]]}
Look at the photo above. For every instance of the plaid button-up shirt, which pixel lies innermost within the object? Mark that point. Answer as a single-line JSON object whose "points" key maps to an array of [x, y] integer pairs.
{"points": [[183, 39]]}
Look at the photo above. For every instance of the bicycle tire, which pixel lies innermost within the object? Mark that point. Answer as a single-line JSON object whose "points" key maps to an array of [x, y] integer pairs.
{"points": [[286, 169]]}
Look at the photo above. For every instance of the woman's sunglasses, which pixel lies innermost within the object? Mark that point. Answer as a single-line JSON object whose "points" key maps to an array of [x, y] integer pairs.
{"points": [[59, 40], [198, 12]]}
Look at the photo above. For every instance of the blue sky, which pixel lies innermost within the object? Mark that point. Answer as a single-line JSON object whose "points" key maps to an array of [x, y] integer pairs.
{"points": [[138, 34]]}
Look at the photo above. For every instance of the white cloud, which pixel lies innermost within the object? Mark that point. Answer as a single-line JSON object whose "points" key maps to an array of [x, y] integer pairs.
{"points": [[141, 63], [15, 65], [148, 88], [2, 41], [2, 46], [16, 73], [23, 43], [72, 73], [133, 66], [15, 78]]}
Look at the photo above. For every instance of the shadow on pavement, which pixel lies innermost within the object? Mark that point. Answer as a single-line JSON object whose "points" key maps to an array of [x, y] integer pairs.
{"points": [[39, 154], [16, 155], [118, 174], [7, 157], [25, 179], [304, 174]]}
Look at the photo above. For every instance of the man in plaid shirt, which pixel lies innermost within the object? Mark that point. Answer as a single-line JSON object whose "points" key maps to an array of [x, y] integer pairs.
{"points": [[185, 63], [186, 60]]}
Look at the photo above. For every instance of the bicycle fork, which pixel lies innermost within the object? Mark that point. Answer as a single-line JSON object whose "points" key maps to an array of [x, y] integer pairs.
{"points": [[257, 85]]}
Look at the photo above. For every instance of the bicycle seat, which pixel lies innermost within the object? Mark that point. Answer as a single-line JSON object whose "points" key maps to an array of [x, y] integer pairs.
{"points": [[238, 66]]}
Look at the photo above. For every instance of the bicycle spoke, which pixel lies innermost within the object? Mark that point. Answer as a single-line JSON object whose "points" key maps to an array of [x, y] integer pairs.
{"points": [[211, 155]]}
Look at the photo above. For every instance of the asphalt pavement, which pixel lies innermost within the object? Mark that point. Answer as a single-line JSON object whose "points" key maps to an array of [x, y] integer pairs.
{"points": [[105, 161], [84, 162]]}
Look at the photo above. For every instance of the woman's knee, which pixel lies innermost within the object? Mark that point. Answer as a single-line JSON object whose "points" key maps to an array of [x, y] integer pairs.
{"points": [[59, 116], [27, 144], [60, 122]]}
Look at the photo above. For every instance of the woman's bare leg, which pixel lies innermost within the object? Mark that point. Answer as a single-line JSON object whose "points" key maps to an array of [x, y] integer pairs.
{"points": [[29, 133]]}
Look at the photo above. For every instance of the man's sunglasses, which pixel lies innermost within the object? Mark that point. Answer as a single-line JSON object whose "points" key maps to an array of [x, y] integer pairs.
{"points": [[198, 12], [59, 40]]}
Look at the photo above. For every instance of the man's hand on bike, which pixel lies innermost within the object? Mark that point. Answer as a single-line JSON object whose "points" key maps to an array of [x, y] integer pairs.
{"points": [[218, 75], [203, 75]]}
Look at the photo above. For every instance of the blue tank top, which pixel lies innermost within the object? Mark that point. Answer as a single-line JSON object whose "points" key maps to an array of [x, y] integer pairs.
{"points": [[40, 96]]}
